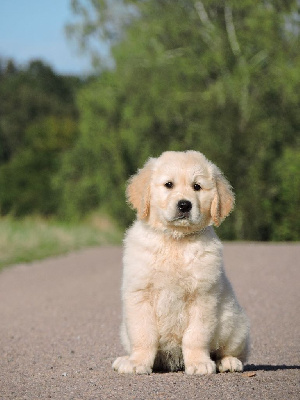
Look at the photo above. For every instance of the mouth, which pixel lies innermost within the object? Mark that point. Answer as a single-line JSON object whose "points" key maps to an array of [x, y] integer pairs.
{"points": [[182, 216], [185, 215]]}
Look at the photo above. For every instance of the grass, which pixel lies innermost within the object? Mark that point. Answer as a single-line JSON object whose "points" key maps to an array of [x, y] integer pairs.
{"points": [[35, 238]]}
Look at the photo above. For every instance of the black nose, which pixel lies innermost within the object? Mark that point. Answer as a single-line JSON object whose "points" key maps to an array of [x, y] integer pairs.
{"points": [[184, 205]]}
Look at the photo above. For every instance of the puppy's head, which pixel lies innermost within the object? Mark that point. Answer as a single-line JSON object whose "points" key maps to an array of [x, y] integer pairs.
{"points": [[180, 191]]}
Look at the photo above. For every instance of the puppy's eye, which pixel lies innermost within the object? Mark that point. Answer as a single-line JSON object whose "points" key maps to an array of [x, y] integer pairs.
{"points": [[196, 187], [169, 185]]}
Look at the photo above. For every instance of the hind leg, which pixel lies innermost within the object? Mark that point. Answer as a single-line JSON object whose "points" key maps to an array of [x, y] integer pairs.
{"points": [[235, 344], [232, 357]]}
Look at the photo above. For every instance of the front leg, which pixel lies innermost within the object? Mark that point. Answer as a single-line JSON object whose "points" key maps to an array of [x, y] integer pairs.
{"points": [[197, 337], [142, 334]]}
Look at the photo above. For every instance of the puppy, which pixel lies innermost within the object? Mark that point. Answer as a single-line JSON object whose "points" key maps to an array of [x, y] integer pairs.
{"points": [[179, 309]]}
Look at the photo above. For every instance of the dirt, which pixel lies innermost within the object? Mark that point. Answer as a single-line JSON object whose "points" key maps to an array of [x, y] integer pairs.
{"points": [[59, 329]]}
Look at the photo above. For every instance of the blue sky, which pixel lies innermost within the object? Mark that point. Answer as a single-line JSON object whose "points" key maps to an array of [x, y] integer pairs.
{"points": [[31, 29]]}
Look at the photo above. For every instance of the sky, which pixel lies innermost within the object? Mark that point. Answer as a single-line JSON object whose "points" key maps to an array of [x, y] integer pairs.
{"points": [[31, 29]]}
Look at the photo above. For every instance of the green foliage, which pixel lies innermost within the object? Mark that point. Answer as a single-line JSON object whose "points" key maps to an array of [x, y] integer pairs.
{"points": [[286, 216], [94, 172], [37, 123], [221, 78], [27, 178], [27, 95]]}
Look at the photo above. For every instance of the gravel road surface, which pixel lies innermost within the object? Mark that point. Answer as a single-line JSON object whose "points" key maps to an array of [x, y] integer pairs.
{"points": [[59, 330]]}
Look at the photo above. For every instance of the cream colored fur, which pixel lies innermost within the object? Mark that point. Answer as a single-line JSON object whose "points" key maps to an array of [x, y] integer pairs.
{"points": [[179, 309]]}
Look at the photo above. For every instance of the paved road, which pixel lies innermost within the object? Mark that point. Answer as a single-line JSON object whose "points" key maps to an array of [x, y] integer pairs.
{"points": [[59, 324]]}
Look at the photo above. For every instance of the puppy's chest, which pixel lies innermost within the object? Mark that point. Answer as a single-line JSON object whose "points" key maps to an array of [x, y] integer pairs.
{"points": [[174, 284], [176, 272]]}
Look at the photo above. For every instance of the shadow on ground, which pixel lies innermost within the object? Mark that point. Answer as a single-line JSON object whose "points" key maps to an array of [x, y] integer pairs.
{"points": [[252, 367]]}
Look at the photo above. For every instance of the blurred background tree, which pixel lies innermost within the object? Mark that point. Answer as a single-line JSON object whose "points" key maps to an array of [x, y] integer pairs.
{"points": [[38, 121], [222, 78], [219, 77]]}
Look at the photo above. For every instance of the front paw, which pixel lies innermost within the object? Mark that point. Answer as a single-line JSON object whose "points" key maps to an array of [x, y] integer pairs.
{"points": [[124, 365], [230, 364], [202, 368]]}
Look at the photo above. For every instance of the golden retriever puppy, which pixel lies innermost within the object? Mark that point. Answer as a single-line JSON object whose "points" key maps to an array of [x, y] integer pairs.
{"points": [[179, 309]]}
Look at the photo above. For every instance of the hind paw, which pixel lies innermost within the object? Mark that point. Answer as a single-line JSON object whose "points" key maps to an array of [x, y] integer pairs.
{"points": [[230, 364]]}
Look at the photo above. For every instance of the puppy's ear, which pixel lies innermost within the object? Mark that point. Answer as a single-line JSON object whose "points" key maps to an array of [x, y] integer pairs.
{"points": [[223, 201], [138, 190]]}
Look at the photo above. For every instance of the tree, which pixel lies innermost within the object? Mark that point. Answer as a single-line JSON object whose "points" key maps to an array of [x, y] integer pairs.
{"points": [[37, 123], [222, 78], [285, 210], [27, 95]]}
